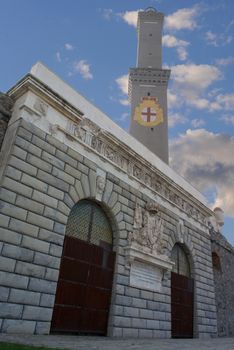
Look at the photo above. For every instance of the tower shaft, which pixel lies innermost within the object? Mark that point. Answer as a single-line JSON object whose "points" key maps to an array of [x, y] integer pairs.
{"points": [[148, 86]]}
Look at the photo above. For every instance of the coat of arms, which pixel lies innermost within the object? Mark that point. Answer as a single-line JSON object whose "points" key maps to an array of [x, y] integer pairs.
{"points": [[148, 228], [148, 112]]}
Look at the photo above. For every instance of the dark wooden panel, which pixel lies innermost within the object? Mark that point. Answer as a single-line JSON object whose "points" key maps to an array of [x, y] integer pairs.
{"points": [[181, 306], [84, 288]]}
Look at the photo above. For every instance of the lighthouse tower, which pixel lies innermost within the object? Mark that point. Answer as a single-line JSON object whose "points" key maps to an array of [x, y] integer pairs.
{"points": [[148, 86]]}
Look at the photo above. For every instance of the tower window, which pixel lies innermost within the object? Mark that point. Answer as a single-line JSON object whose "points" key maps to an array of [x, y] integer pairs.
{"points": [[150, 34], [148, 94]]}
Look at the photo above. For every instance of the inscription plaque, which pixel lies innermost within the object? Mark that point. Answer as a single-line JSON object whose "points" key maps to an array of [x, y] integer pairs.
{"points": [[145, 276]]}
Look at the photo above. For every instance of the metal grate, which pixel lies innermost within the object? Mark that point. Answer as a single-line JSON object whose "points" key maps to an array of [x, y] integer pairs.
{"points": [[179, 257], [87, 221]]}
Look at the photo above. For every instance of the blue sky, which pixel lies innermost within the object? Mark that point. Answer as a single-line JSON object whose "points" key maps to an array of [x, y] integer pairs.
{"points": [[91, 45]]}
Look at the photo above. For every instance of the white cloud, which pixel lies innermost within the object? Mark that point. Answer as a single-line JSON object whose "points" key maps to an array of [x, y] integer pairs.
{"points": [[195, 76], [58, 56], [122, 83], [228, 119], [107, 14], [182, 53], [83, 68], [69, 47], [197, 123], [225, 61], [123, 117], [172, 99], [220, 39], [172, 41], [124, 102], [176, 118], [190, 82], [180, 45], [130, 17], [226, 101], [206, 160], [184, 18]]}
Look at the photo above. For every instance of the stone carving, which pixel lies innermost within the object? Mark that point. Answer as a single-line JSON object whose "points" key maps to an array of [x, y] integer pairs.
{"points": [[100, 184], [105, 144], [180, 231], [41, 107], [147, 228]]}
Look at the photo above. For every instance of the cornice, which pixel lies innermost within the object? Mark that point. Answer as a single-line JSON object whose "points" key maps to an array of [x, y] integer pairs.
{"points": [[31, 83], [112, 149]]}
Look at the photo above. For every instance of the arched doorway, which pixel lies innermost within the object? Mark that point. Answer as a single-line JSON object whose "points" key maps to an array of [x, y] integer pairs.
{"points": [[85, 281], [182, 289]]}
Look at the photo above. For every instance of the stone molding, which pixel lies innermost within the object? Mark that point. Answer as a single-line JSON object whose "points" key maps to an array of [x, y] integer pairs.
{"points": [[155, 76], [110, 148]]}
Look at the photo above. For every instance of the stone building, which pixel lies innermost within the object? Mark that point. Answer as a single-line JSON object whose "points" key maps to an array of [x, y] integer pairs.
{"points": [[98, 234], [223, 267]]}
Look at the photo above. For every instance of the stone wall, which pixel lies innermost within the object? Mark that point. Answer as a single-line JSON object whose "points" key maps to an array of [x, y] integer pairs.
{"points": [[42, 180], [6, 104], [224, 283]]}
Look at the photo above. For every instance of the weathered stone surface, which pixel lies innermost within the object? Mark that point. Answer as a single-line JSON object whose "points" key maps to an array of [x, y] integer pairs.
{"points": [[28, 146], [41, 285], [29, 204], [43, 144], [24, 166], [40, 221], [4, 293], [37, 313], [6, 104], [50, 236], [35, 244], [7, 196], [18, 326], [53, 181], [34, 182], [42, 328], [4, 219], [39, 163], [20, 296], [46, 260], [7, 264], [223, 265], [45, 199], [17, 187], [47, 300], [29, 269], [10, 236], [13, 211], [54, 192], [8, 310], [13, 173], [23, 227]]}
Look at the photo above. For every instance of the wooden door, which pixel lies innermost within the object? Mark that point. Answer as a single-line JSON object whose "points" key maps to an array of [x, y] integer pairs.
{"points": [[181, 306], [84, 288]]}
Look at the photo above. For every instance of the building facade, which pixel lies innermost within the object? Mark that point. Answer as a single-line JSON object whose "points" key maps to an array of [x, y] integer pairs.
{"points": [[98, 234]]}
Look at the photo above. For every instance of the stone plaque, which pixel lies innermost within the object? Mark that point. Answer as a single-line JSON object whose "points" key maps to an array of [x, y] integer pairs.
{"points": [[145, 276]]}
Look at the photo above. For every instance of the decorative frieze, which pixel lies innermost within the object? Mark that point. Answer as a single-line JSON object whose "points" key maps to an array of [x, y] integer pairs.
{"points": [[120, 155]]}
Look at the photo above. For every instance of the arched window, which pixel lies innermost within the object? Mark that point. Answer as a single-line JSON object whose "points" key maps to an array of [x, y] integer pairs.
{"points": [[216, 262], [180, 258], [88, 222]]}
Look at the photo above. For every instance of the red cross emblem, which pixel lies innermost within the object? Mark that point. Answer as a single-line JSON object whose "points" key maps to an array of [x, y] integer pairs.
{"points": [[148, 114]]}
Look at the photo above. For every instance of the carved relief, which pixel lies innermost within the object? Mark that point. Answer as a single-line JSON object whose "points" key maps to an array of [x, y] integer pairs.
{"points": [[100, 184], [90, 134], [148, 228], [41, 107]]}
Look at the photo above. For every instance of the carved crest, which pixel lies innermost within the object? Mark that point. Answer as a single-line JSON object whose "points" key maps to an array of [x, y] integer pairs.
{"points": [[148, 228]]}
